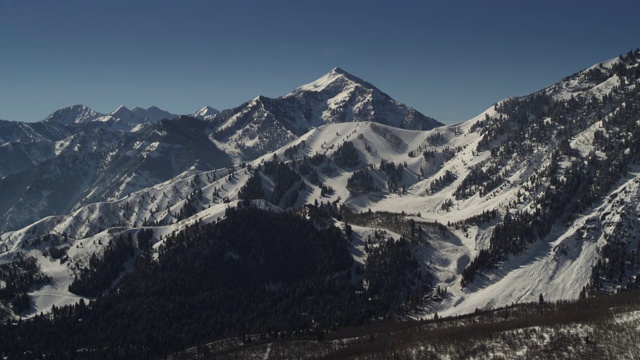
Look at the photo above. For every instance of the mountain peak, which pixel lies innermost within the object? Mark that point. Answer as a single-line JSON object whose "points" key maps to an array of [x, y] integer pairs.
{"points": [[72, 115], [338, 70], [337, 77], [140, 115], [208, 109], [205, 112], [121, 110]]}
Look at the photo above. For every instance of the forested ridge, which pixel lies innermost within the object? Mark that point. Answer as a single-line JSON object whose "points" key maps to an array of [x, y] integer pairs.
{"points": [[538, 118], [255, 272]]}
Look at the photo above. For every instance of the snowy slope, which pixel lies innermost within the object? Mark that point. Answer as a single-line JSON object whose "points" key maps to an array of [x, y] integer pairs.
{"points": [[101, 165], [445, 255], [161, 203], [14, 132], [341, 97]]}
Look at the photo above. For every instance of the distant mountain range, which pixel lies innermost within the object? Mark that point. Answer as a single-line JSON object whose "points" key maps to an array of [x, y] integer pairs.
{"points": [[81, 115]]}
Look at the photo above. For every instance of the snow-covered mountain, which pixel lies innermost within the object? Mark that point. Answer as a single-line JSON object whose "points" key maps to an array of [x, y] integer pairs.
{"points": [[264, 124], [206, 113], [122, 118], [75, 114], [539, 194], [139, 115], [77, 155], [341, 97]]}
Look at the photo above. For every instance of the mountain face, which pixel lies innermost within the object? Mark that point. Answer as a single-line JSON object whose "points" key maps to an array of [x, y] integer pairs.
{"points": [[264, 124], [76, 114], [536, 198], [101, 165], [76, 156], [140, 116], [13, 132], [26, 144], [341, 97]]}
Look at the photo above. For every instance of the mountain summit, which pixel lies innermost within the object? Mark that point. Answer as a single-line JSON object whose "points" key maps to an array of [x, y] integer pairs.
{"points": [[75, 114], [206, 113], [337, 76], [122, 113], [264, 124], [341, 97]]}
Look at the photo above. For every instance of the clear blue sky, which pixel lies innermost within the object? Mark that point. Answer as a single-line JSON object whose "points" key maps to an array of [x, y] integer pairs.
{"points": [[448, 59]]}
